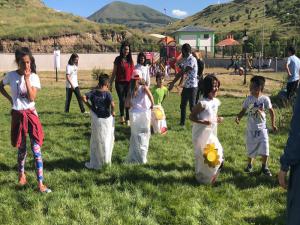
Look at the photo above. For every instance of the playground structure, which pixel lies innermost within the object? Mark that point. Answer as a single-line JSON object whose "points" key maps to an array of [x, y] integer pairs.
{"points": [[167, 57]]}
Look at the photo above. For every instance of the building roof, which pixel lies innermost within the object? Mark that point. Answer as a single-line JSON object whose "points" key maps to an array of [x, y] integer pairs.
{"points": [[229, 41], [194, 29]]}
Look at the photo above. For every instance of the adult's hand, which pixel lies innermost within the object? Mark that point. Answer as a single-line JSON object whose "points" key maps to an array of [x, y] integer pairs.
{"points": [[171, 85], [282, 179]]}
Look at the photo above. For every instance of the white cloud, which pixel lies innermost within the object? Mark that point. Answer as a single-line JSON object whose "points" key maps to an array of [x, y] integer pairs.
{"points": [[179, 13]]}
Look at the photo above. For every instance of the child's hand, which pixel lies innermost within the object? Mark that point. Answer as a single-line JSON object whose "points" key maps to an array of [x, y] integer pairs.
{"points": [[237, 120], [282, 179], [274, 128], [220, 119], [206, 122], [27, 72]]}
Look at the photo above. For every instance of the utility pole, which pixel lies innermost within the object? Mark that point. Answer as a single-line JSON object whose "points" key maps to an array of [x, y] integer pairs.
{"points": [[245, 40]]}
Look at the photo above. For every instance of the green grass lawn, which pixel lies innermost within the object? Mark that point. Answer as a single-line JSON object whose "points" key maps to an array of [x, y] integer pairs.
{"points": [[162, 192]]}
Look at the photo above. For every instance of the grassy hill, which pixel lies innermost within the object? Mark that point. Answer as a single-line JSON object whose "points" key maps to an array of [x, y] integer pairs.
{"points": [[279, 15], [134, 16], [31, 23], [31, 19]]}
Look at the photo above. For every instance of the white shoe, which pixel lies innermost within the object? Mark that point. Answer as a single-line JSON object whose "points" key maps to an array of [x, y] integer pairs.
{"points": [[128, 123]]}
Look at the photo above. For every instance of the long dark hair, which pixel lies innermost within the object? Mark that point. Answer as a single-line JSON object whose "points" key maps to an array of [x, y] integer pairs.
{"points": [[24, 51], [72, 59], [129, 56], [208, 84], [141, 55]]}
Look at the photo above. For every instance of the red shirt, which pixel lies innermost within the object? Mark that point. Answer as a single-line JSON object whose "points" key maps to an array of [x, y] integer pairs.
{"points": [[124, 70]]}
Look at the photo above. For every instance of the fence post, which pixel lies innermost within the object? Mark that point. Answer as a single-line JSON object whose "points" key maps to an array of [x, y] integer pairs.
{"points": [[276, 65]]}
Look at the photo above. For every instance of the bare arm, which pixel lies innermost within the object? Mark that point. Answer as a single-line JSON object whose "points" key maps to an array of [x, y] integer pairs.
{"points": [[112, 106], [196, 110], [240, 115], [69, 80], [288, 70], [85, 100], [113, 76], [272, 114], [148, 92], [178, 76], [4, 93]]}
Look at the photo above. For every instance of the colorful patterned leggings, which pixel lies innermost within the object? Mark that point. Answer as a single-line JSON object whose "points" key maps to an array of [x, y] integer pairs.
{"points": [[37, 154]]}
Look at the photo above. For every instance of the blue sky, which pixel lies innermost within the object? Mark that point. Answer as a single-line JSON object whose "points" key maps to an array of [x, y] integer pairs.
{"points": [[174, 8]]}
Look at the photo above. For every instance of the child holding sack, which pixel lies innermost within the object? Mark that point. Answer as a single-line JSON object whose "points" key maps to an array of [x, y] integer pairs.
{"points": [[158, 118], [140, 101], [208, 150], [257, 133], [102, 106]]}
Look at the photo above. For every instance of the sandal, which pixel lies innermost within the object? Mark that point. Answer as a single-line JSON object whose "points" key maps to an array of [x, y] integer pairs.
{"points": [[22, 179], [44, 189]]}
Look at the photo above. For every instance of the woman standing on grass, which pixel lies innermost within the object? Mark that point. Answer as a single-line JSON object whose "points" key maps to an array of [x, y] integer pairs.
{"points": [[122, 72], [24, 84], [72, 83]]}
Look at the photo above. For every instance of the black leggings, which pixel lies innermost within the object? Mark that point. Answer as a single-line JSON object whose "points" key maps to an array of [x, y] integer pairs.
{"points": [[69, 92], [122, 90]]}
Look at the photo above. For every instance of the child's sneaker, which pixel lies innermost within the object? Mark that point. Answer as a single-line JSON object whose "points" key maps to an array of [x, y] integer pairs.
{"points": [[44, 189], [22, 179], [248, 169], [266, 171]]}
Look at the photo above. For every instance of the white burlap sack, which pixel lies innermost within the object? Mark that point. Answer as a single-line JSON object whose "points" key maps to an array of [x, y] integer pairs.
{"points": [[140, 136], [102, 141], [158, 122], [203, 135]]}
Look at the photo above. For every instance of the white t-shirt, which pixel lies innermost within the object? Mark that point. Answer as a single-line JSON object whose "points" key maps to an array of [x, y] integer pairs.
{"points": [[293, 63], [140, 102], [19, 90], [210, 111], [71, 70], [256, 113], [145, 73]]}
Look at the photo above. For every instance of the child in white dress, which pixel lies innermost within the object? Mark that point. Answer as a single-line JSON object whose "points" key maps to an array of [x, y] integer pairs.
{"points": [[140, 101], [208, 150]]}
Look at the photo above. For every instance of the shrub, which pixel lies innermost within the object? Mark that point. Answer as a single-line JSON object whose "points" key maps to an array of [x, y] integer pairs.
{"points": [[97, 72]]}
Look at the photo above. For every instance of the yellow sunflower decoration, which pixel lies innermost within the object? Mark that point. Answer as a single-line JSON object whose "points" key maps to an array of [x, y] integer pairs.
{"points": [[158, 113], [211, 157]]}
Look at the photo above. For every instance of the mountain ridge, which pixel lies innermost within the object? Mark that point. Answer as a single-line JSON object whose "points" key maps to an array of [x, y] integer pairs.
{"points": [[132, 15]]}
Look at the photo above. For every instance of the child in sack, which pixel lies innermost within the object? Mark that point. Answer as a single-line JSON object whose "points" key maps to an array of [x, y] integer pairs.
{"points": [[208, 150], [158, 117], [140, 101], [257, 139], [102, 106]]}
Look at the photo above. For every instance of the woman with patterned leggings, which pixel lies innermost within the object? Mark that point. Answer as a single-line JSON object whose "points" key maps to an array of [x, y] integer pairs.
{"points": [[24, 84]]}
